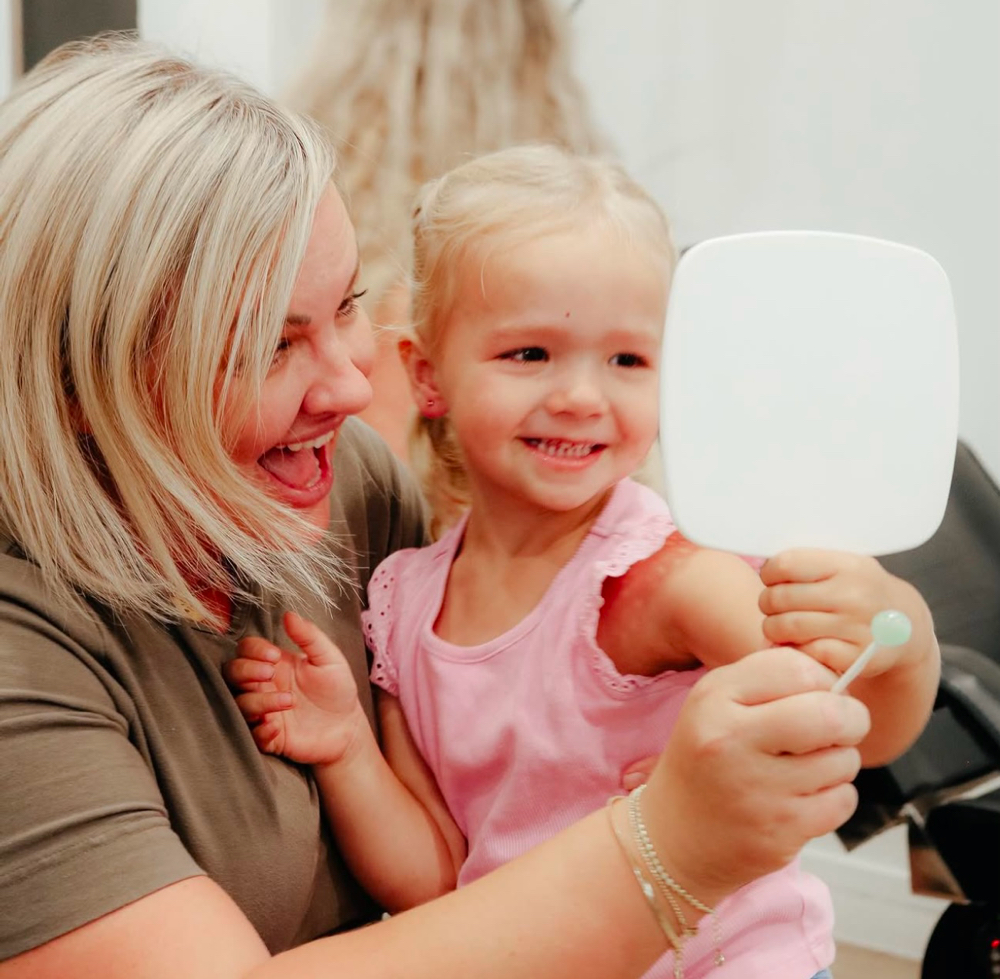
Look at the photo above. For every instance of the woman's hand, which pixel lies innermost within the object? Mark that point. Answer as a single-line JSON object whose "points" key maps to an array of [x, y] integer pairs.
{"points": [[761, 761], [303, 706]]}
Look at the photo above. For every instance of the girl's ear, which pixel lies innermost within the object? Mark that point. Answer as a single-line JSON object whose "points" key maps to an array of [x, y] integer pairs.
{"points": [[423, 384]]}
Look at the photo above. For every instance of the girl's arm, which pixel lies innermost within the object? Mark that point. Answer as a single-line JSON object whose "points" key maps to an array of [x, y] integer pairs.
{"points": [[823, 602], [389, 817], [682, 607], [395, 832], [760, 761]]}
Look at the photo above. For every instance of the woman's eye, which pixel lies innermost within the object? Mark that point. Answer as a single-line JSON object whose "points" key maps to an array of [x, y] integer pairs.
{"points": [[629, 360], [526, 355], [350, 305], [280, 351]]}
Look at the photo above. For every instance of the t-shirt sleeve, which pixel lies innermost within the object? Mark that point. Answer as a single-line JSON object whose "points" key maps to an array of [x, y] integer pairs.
{"points": [[83, 828]]}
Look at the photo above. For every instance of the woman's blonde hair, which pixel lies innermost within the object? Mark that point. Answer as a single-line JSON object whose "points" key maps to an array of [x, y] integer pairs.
{"points": [[488, 205], [153, 216], [408, 89]]}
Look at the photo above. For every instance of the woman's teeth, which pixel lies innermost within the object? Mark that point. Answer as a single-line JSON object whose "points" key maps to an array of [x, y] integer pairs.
{"points": [[312, 444], [557, 447]]}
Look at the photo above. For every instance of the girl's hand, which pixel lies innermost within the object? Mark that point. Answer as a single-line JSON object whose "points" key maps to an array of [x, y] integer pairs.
{"points": [[823, 602], [760, 761], [301, 705]]}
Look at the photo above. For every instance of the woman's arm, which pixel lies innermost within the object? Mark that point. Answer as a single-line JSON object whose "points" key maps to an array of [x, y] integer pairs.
{"points": [[760, 761]]}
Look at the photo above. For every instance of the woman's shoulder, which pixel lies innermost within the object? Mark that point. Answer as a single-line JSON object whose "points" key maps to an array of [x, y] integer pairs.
{"points": [[30, 605]]}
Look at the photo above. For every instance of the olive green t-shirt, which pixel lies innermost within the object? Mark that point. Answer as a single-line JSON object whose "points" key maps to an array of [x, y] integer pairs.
{"points": [[126, 766]]}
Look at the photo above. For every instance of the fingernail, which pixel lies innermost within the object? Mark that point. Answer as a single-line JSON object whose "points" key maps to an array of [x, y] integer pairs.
{"points": [[632, 780], [284, 700]]}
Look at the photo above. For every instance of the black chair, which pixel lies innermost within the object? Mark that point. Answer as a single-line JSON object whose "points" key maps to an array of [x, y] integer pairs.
{"points": [[939, 786]]}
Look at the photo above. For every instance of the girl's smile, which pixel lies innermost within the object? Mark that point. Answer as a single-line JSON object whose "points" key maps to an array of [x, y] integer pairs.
{"points": [[563, 453]]}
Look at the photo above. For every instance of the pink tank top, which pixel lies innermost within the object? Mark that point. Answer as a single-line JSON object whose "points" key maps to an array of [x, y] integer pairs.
{"points": [[531, 731]]}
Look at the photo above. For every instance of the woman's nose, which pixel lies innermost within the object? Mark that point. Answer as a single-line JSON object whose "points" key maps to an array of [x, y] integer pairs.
{"points": [[340, 380]]}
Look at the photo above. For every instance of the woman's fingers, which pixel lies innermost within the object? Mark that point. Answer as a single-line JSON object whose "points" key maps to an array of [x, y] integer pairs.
{"points": [[767, 675], [825, 811], [823, 770], [759, 762], [808, 722]]}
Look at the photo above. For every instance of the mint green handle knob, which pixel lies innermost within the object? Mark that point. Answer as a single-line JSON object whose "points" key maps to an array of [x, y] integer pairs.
{"points": [[891, 628]]}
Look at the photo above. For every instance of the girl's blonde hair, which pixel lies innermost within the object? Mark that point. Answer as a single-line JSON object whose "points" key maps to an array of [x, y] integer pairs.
{"points": [[494, 203], [153, 216], [410, 88]]}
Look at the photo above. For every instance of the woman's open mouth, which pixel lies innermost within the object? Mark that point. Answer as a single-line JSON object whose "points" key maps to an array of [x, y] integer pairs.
{"points": [[301, 472]]}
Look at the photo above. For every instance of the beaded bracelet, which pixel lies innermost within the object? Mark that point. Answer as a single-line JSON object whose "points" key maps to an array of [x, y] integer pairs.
{"points": [[648, 890], [668, 885]]}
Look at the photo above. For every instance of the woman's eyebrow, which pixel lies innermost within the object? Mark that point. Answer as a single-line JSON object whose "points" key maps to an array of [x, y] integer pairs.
{"points": [[300, 319]]}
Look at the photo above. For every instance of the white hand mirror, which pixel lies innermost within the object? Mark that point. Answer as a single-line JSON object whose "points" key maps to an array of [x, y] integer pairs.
{"points": [[809, 394]]}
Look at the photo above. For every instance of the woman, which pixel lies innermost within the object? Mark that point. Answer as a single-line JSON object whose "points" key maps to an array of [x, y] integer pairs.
{"points": [[184, 350]]}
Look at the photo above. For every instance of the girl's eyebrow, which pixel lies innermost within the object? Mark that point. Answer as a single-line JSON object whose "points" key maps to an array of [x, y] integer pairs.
{"points": [[300, 319]]}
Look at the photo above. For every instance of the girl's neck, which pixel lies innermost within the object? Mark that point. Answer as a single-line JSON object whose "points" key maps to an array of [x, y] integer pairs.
{"points": [[505, 567], [501, 533]]}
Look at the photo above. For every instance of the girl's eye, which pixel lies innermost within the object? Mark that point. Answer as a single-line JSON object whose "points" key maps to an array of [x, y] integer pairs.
{"points": [[628, 360], [350, 305], [526, 355]]}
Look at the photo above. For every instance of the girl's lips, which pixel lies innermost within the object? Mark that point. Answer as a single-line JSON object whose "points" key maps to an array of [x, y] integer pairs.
{"points": [[564, 454]]}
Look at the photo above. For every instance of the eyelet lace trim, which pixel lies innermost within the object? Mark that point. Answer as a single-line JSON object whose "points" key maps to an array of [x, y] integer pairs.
{"points": [[376, 621], [641, 542]]}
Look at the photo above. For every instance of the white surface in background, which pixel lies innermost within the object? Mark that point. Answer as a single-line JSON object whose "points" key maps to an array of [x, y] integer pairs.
{"points": [[809, 394]]}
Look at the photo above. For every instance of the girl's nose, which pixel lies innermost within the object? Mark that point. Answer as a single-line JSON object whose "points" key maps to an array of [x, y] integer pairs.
{"points": [[579, 393]]}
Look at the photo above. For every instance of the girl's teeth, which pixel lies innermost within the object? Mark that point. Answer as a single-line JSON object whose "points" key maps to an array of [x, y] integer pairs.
{"points": [[557, 448]]}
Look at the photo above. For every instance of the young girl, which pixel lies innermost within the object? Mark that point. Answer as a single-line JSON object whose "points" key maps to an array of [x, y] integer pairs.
{"points": [[519, 675]]}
